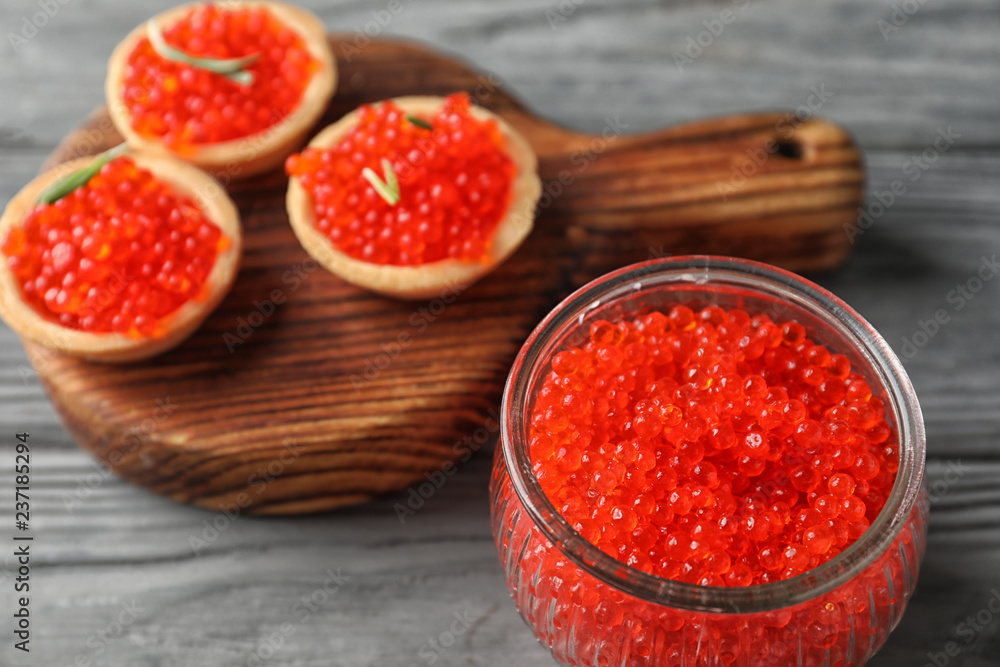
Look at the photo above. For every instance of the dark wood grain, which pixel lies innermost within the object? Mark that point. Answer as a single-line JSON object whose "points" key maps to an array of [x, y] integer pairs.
{"points": [[320, 387]]}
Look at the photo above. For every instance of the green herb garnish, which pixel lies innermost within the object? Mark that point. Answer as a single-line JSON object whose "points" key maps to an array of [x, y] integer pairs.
{"points": [[419, 122], [80, 177], [233, 69], [387, 189]]}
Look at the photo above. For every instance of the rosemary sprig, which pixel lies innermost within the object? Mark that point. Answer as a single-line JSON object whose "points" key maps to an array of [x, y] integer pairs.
{"points": [[388, 189], [80, 177], [231, 68], [419, 122]]}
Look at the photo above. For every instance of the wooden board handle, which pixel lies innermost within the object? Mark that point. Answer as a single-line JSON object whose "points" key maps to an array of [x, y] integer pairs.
{"points": [[767, 185], [681, 190]]}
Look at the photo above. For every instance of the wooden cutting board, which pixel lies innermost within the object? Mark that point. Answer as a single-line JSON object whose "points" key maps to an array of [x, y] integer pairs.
{"points": [[302, 393]]}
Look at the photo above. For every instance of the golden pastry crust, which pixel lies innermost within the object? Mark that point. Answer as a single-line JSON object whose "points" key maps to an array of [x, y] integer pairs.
{"points": [[114, 347], [255, 153], [432, 279]]}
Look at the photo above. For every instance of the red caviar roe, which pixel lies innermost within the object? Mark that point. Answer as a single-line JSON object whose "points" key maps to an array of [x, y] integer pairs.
{"points": [[115, 255], [188, 106], [454, 185], [715, 447]]}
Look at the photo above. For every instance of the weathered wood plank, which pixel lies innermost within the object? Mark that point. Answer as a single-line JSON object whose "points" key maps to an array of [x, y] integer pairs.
{"points": [[607, 58], [610, 57]]}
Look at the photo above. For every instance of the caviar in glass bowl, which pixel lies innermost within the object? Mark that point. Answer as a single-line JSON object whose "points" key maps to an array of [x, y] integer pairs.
{"points": [[709, 461]]}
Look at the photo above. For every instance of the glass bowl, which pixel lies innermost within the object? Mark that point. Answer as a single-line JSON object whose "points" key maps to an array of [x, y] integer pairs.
{"points": [[591, 609]]}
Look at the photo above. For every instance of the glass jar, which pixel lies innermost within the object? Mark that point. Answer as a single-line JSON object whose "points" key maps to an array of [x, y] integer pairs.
{"points": [[591, 609]]}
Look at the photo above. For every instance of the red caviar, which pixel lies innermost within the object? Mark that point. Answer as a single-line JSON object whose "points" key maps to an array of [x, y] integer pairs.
{"points": [[713, 447], [454, 185], [115, 255], [188, 106]]}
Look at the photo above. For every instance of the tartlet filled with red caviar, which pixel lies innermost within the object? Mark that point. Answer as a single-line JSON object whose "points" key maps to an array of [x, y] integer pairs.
{"points": [[414, 195], [116, 258], [234, 87]]}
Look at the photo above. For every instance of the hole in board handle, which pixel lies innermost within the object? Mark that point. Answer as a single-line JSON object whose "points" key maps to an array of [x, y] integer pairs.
{"points": [[790, 149]]}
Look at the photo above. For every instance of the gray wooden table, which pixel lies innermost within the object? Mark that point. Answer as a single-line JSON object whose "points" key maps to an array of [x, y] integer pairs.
{"points": [[115, 580]]}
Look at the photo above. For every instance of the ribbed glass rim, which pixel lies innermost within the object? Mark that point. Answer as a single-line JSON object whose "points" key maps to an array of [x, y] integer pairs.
{"points": [[754, 277]]}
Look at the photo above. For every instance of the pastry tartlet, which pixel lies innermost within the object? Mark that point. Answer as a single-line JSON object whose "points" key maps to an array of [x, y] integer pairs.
{"points": [[414, 196], [234, 123], [123, 267]]}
